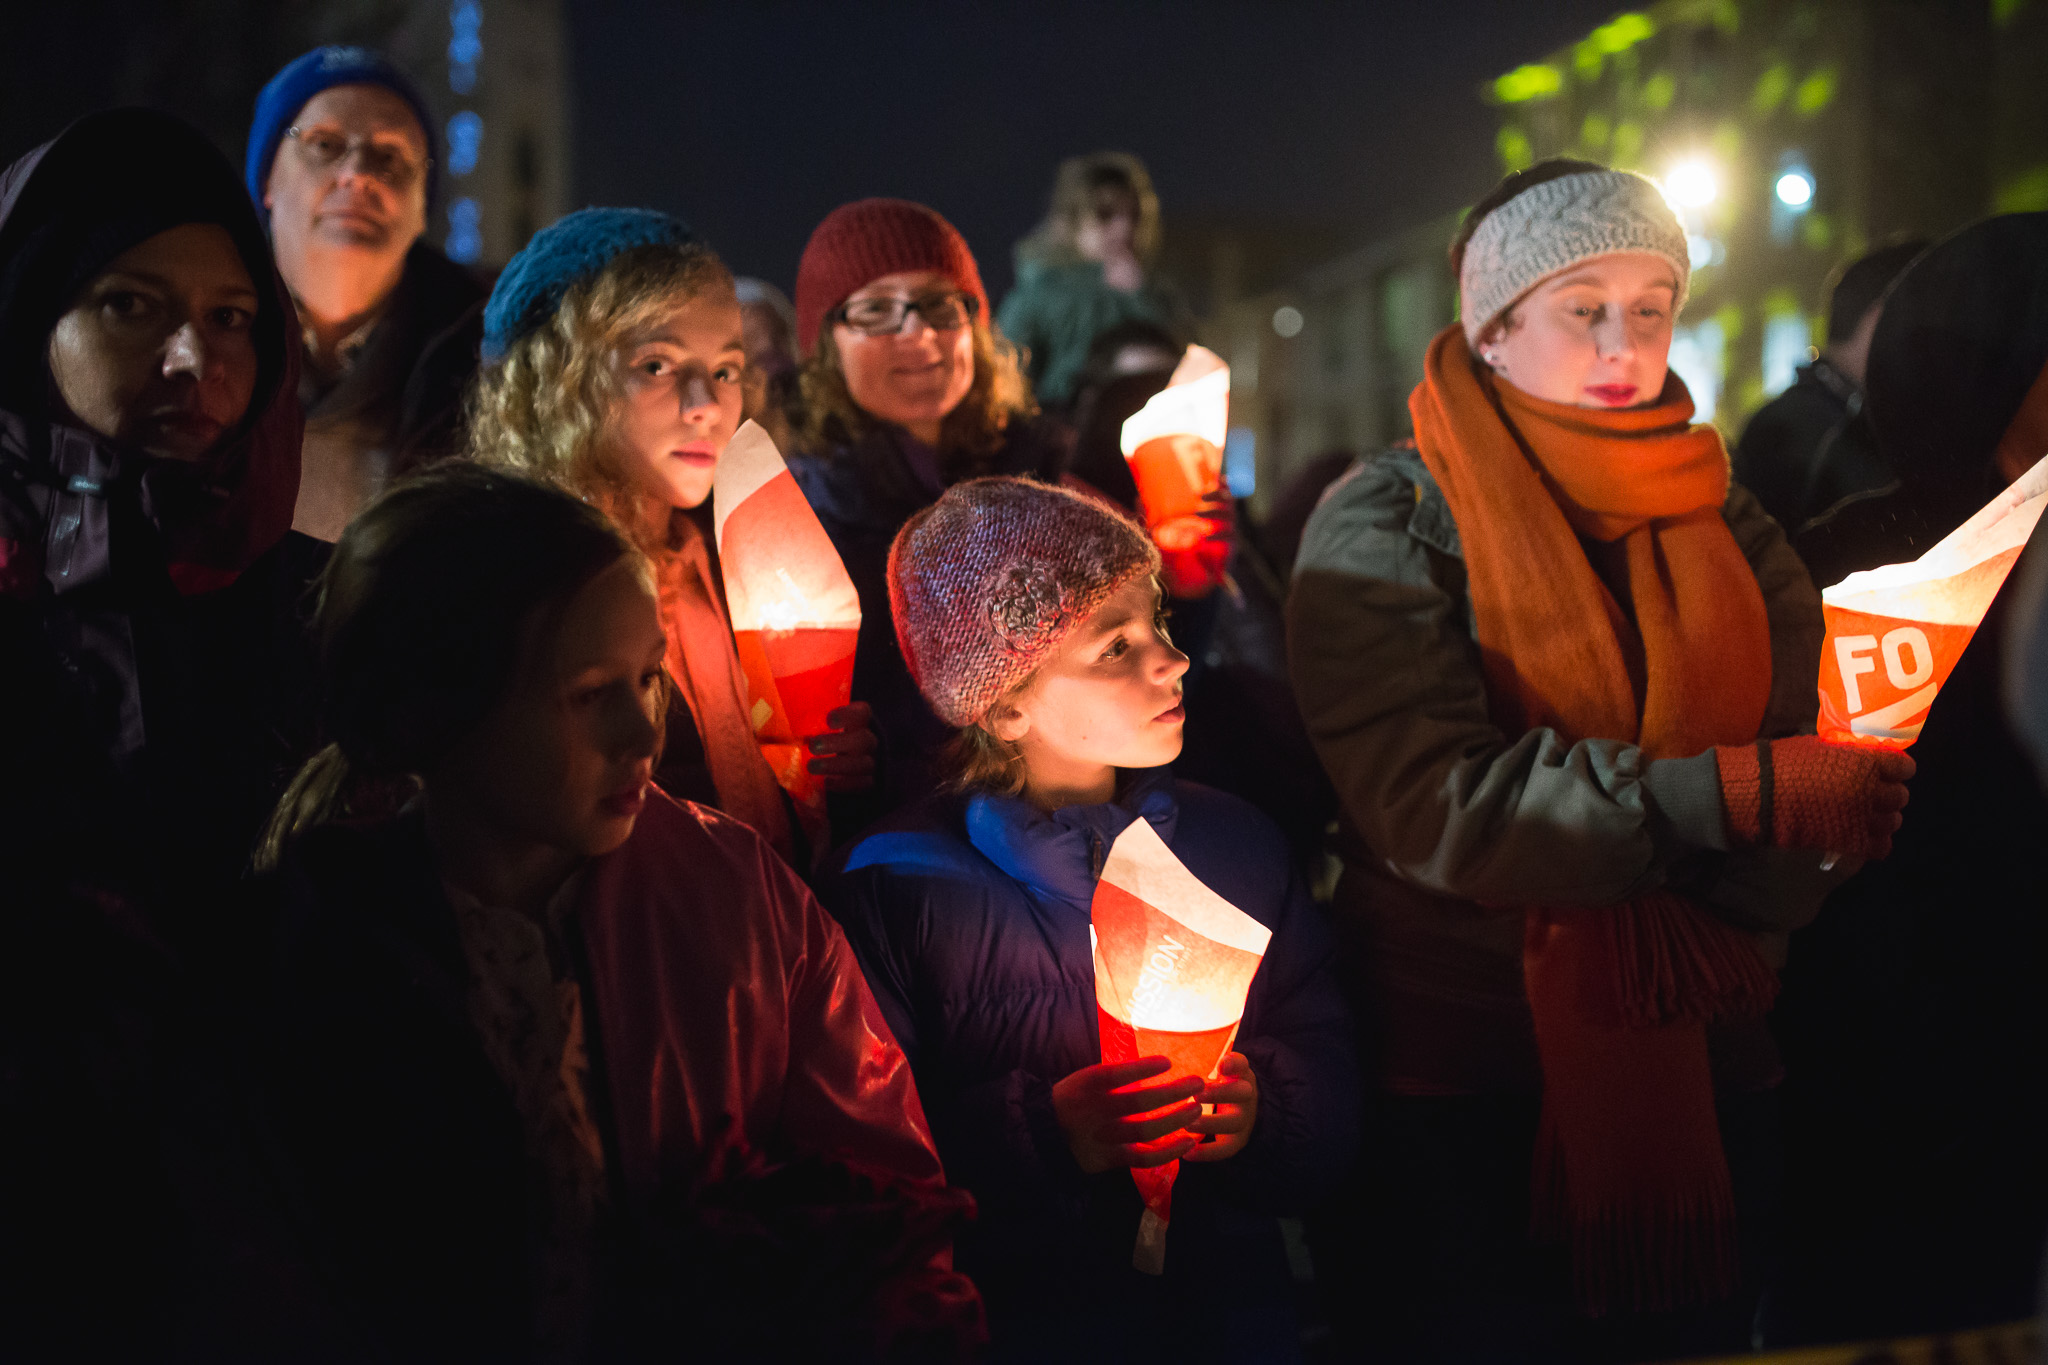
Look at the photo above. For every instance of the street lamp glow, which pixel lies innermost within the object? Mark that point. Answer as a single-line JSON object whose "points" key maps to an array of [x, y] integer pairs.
{"points": [[1692, 184], [1795, 189]]}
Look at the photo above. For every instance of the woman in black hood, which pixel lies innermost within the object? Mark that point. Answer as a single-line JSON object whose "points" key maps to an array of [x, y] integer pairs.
{"points": [[149, 447]]}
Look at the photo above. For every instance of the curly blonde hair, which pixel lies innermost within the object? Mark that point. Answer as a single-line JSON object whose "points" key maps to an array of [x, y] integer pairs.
{"points": [[541, 409], [971, 432]]}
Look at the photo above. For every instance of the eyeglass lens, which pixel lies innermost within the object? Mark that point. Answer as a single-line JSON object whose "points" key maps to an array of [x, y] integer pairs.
{"points": [[883, 316], [326, 150]]}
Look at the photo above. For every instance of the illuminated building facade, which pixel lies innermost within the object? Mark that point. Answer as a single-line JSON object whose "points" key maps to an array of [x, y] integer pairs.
{"points": [[1791, 135]]}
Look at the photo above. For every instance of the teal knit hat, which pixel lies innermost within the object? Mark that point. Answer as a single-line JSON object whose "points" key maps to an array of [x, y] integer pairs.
{"points": [[568, 251]]}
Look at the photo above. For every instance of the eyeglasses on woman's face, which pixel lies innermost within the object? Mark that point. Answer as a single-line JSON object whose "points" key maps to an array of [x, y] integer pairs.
{"points": [[887, 315], [326, 149]]}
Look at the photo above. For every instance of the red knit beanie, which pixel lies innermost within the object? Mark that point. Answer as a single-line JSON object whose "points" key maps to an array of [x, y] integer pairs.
{"points": [[986, 582], [867, 239]]}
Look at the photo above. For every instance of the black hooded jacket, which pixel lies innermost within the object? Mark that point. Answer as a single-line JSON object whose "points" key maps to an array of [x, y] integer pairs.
{"points": [[153, 666], [1913, 1019], [153, 700]]}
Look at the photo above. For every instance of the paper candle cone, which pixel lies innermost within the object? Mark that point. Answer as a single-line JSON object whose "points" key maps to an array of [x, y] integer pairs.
{"points": [[795, 614], [1174, 445], [1173, 964], [1895, 633]]}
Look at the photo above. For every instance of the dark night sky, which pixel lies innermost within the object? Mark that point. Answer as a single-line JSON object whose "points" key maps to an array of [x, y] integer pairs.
{"points": [[753, 120]]}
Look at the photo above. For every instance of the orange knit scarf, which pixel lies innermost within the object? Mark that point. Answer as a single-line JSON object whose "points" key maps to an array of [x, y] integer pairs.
{"points": [[1629, 1166]]}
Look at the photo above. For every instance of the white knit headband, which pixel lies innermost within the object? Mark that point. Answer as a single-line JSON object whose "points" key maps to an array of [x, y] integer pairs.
{"points": [[1553, 226]]}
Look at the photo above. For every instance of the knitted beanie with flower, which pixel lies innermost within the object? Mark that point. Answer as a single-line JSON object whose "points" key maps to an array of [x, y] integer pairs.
{"points": [[986, 582]]}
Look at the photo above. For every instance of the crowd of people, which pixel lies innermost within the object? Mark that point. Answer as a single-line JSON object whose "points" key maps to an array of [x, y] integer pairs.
{"points": [[418, 958]]}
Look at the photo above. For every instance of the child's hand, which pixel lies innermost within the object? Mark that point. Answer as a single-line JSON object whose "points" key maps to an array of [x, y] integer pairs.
{"points": [[1098, 1108], [1236, 1097], [846, 753]]}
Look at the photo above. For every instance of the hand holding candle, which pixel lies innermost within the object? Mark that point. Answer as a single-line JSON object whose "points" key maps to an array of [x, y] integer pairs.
{"points": [[1174, 445], [1174, 963], [843, 757], [1234, 1098], [1808, 792], [795, 614], [1112, 1119]]}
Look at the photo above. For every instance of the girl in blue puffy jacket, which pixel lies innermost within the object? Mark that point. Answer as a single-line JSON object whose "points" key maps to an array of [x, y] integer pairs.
{"points": [[1030, 618]]}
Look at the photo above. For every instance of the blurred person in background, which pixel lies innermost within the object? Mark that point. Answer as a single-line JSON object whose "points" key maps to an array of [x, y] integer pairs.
{"points": [[1809, 449], [1913, 1020], [1945, 378], [906, 390], [342, 163], [1127, 364], [1561, 673], [1087, 269], [770, 332]]}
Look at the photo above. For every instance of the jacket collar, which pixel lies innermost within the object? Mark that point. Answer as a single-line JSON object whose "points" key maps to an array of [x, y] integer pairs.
{"points": [[1431, 521], [1834, 383], [1059, 854]]}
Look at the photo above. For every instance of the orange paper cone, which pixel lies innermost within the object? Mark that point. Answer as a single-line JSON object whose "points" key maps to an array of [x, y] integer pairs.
{"points": [[1174, 445], [795, 614], [1895, 633], [1173, 964]]}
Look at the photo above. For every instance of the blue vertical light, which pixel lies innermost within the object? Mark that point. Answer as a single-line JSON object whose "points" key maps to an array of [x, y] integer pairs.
{"points": [[465, 231], [465, 240], [465, 44], [465, 142]]}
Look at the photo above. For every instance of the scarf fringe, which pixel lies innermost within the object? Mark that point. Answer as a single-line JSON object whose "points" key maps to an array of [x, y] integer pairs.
{"points": [[1681, 1252], [1677, 964]]}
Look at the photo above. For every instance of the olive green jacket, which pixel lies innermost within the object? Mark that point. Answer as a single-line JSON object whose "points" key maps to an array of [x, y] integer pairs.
{"points": [[1449, 826]]}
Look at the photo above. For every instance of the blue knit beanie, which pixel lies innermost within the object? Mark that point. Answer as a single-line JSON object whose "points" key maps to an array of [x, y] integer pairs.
{"points": [[322, 69], [571, 249]]}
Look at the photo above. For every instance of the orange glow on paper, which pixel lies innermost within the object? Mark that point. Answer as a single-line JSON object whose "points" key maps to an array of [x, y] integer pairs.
{"points": [[1174, 445], [1895, 633], [795, 614], [1174, 962]]}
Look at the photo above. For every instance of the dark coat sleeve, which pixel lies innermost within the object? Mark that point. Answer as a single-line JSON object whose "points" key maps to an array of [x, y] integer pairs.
{"points": [[1297, 1035], [997, 1134]]}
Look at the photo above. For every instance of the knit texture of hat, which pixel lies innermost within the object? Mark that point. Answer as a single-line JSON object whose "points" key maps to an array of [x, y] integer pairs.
{"points": [[1551, 227], [322, 69], [860, 242], [986, 582], [568, 251]]}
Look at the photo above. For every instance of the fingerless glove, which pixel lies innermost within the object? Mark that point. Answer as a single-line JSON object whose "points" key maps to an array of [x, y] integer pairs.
{"points": [[1805, 792]]}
